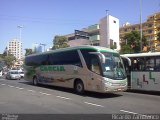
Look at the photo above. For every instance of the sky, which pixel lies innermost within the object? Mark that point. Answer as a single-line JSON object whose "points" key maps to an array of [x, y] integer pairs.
{"points": [[43, 19]]}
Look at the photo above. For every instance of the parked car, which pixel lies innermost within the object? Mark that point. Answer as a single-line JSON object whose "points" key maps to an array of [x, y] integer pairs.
{"points": [[1, 73], [13, 74], [21, 74]]}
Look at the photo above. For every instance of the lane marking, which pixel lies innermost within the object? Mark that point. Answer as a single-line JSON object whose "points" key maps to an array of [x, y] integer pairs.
{"points": [[11, 86], [93, 104], [133, 113], [3, 84], [31, 90], [128, 111], [44, 93], [19, 88], [63, 97]]}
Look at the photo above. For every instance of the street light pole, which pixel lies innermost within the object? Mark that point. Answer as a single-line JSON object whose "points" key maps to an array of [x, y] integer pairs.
{"points": [[141, 25], [108, 41], [20, 32], [20, 39]]}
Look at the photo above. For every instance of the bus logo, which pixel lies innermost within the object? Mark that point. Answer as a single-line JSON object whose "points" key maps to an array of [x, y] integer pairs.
{"points": [[52, 68]]}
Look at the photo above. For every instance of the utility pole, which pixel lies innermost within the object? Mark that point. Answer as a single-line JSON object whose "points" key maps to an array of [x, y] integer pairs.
{"points": [[20, 39], [20, 32], [108, 41], [141, 25]]}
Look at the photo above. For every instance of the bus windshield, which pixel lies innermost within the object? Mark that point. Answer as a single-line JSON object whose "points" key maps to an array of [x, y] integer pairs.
{"points": [[113, 67]]}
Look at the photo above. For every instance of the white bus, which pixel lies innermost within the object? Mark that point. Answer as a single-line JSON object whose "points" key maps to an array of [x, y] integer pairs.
{"points": [[82, 68], [144, 72]]}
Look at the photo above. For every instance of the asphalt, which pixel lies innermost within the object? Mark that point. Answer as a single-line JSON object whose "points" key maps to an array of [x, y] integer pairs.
{"points": [[21, 97]]}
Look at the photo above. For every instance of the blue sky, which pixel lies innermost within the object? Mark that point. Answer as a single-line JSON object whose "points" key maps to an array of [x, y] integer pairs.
{"points": [[43, 19]]}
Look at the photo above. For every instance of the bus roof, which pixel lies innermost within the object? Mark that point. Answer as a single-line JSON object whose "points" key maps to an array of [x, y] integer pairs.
{"points": [[98, 48], [142, 54]]}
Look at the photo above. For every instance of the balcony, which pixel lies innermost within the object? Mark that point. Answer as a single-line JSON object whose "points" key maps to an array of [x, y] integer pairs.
{"points": [[93, 27], [94, 37]]}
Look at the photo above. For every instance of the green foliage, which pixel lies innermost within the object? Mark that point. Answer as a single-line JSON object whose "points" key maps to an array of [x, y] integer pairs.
{"points": [[126, 49], [132, 43], [9, 60], [6, 52], [158, 36], [60, 42], [1, 59], [28, 52]]}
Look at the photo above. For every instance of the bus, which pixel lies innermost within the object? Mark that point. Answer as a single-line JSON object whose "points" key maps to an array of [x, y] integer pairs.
{"points": [[83, 68], [144, 71]]}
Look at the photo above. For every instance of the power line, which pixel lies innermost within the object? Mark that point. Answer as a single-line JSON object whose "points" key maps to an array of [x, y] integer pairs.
{"points": [[42, 20]]}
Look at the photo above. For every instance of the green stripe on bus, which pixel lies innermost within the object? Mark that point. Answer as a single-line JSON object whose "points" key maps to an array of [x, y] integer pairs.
{"points": [[52, 68]]}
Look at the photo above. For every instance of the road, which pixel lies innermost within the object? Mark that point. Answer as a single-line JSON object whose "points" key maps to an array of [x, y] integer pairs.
{"points": [[21, 97]]}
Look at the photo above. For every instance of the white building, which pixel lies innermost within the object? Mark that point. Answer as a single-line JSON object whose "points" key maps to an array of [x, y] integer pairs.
{"points": [[15, 48], [105, 34], [37, 48], [109, 32]]}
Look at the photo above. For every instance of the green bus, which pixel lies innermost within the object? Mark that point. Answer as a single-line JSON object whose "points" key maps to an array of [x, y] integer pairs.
{"points": [[83, 68]]}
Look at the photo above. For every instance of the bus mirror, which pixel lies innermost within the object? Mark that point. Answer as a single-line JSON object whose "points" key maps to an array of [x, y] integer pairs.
{"points": [[100, 55], [128, 60]]}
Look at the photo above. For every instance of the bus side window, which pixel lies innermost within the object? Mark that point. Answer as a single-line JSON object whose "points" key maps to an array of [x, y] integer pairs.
{"points": [[157, 64], [150, 63], [138, 64], [135, 65], [65, 58], [95, 67]]}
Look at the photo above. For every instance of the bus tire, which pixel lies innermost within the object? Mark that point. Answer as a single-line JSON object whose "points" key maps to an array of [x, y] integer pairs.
{"points": [[79, 87], [35, 81]]}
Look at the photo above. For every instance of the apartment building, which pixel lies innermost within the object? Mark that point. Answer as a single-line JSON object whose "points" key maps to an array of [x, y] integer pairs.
{"points": [[150, 29], [105, 33], [37, 48], [15, 48]]}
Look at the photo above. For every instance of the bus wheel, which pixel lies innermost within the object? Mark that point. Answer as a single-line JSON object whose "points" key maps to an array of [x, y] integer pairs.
{"points": [[79, 87], [35, 81]]}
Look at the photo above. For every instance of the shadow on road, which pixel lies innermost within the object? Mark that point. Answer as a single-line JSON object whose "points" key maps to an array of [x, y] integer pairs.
{"points": [[101, 95], [69, 90], [145, 92]]}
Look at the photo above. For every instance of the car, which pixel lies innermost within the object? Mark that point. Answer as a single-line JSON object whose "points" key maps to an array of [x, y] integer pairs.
{"points": [[13, 74], [21, 74], [1, 73]]}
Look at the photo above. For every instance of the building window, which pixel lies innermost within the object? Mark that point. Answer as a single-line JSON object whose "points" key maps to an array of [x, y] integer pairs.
{"points": [[114, 21], [149, 31], [150, 25], [133, 28]]}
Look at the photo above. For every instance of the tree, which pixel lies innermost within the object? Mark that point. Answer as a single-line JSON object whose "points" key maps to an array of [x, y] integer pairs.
{"points": [[126, 49], [132, 43], [1, 58], [28, 52], [60, 42], [9, 60], [158, 37], [158, 44], [5, 53]]}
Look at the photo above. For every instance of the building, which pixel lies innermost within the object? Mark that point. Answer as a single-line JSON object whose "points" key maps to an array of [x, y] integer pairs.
{"points": [[15, 48], [37, 48], [105, 33], [150, 29]]}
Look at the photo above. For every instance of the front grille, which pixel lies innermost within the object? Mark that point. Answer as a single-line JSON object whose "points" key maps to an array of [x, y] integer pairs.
{"points": [[118, 84]]}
